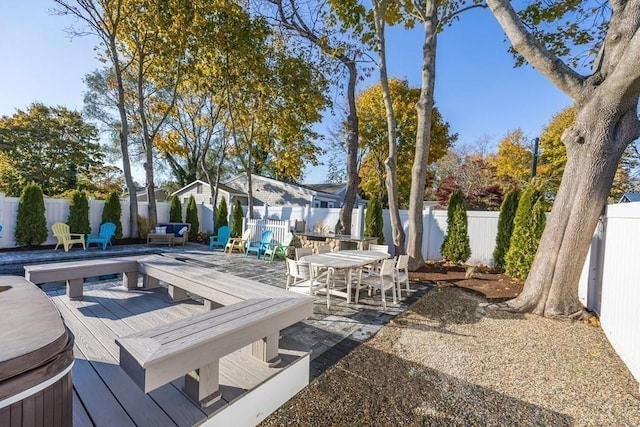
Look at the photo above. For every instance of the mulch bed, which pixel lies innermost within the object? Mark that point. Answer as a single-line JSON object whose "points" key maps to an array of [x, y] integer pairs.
{"points": [[493, 285]]}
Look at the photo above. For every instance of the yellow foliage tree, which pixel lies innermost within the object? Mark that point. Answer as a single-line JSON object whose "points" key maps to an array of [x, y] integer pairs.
{"points": [[373, 137]]}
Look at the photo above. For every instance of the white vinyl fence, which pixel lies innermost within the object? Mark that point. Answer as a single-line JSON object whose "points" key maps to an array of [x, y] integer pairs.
{"points": [[610, 284]]}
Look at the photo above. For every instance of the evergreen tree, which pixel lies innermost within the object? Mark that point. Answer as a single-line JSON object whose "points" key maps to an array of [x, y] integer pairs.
{"points": [[236, 219], [175, 210], [192, 218], [456, 247], [31, 223], [528, 225], [505, 227], [222, 214], [373, 225], [78, 218], [112, 212]]}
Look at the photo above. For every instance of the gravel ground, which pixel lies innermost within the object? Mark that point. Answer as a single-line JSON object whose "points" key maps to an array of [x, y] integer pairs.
{"points": [[447, 362]]}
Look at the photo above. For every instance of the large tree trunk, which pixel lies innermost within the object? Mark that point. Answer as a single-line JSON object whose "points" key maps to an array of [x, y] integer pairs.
{"points": [[124, 142], [593, 153], [352, 150], [397, 233], [606, 122], [424, 107]]}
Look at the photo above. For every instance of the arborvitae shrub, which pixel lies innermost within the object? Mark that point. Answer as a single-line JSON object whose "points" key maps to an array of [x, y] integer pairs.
{"points": [[373, 225], [112, 212], [528, 225], [236, 219], [175, 210], [31, 223], [78, 218], [222, 214], [192, 218], [456, 247], [505, 227], [144, 227]]}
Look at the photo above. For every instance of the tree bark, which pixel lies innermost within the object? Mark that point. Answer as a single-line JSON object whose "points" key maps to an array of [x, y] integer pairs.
{"points": [[607, 121], [424, 108], [397, 232], [346, 211]]}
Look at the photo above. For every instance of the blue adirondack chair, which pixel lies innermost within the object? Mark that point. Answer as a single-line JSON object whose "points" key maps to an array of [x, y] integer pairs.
{"points": [[221, 239], [107, 231], [261, 246]]}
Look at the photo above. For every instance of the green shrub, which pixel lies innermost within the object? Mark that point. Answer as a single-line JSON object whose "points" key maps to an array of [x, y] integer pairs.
{"points": [[222, 214], [192, 218], [456, 247], [505, 227], [373, 223], [144, 227], [528, 225], [31, 223], [78, 218], [175, 210], [236, 219], [112, 212]]}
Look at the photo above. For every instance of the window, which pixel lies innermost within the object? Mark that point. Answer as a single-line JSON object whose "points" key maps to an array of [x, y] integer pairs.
{"points": [[199, 189], [323, 204], [330, 204]]}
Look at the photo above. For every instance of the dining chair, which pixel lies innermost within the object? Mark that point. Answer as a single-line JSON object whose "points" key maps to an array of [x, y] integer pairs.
{"points": [[300, 252], [299, 278], [383, 280], [323, 249], [379, 248], [402, 273]]}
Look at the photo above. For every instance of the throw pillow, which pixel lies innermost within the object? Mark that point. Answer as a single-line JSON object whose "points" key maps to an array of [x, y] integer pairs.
{"points": [[183, 230]]}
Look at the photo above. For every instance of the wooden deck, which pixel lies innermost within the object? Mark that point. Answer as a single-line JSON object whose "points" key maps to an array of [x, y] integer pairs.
{"points": [[104, 394]]}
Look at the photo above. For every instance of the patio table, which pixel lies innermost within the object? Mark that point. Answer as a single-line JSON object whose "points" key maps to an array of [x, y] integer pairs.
{"points": [[344, 260]]}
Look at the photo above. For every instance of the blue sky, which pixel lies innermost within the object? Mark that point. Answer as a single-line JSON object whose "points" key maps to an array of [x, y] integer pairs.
{"points": [[478, 91]]}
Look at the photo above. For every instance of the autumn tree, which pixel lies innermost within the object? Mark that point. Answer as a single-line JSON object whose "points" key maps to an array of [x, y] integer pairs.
{"points": [[49, 146], [321, 27], [104, 19], [606, 102], [374, 143], [512, 162]]}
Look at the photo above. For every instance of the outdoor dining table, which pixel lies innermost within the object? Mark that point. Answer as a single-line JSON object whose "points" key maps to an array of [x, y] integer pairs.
{"points": [[344, 260]]}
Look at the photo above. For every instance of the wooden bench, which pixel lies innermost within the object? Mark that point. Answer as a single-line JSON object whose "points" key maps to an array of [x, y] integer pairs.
{"points": [[194, 346], [74, 272], [211, 285]]}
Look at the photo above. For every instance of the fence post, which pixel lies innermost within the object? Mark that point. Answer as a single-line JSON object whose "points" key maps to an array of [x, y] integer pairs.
{"points": [[426, 231]]}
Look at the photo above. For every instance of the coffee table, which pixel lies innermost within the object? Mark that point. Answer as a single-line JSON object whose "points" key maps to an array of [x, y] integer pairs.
{"points": [[160, 238]]}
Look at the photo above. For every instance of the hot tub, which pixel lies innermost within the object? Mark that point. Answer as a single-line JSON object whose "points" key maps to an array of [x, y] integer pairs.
{"points": [[36, 356]]}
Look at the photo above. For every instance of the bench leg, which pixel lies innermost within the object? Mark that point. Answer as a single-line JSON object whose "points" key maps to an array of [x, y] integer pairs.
{"points": [[74, 288], [149, 282], [177, 294], [211, 305], [266, 349], [130, 279], [202, 385]]}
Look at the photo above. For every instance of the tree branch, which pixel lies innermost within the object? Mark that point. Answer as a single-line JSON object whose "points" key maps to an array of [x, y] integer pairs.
{"points": [[533, 51]]}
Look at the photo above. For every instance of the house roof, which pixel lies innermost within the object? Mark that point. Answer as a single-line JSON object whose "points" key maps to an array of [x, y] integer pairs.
{"points": [[630, 197], [225, 188], [304, 188], [331, 188]]}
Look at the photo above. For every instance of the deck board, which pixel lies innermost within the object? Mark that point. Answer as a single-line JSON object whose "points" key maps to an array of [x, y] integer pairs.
{"points": [[104, 394]]}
